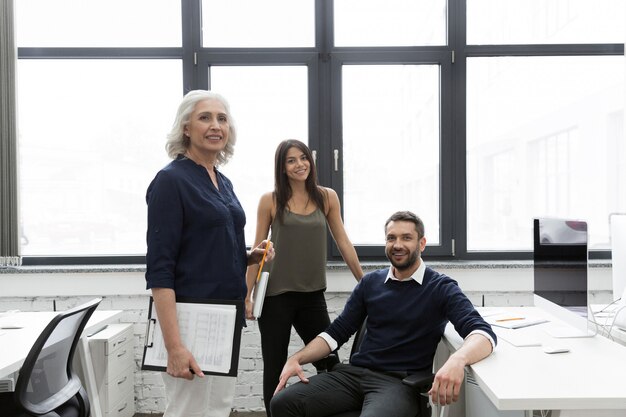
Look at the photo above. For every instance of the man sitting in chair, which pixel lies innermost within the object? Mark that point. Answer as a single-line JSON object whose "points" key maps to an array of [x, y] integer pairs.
{"points": [[407, 308]]}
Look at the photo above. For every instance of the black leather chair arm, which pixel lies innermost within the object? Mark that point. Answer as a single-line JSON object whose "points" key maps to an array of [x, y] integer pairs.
{"points": [[422, 381]]}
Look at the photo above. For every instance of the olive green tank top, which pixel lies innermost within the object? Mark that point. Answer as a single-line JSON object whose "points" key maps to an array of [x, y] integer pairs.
{"points": [[300, 260]]}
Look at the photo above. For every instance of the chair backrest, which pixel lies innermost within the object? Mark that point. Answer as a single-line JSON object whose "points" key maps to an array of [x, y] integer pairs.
{"points": [[46, 381], [358, 338]]}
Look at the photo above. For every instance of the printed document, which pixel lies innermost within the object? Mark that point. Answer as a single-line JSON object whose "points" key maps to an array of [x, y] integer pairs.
{"points": [[207, 330]]}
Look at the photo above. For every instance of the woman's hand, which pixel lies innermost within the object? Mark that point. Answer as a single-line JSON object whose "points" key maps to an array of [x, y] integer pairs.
{"points": [[182, 364], [249, 309], [256, 255]]}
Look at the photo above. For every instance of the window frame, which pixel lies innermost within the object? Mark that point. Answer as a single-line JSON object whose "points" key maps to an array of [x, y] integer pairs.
{"points": [[426, 56], [324, 62], [471, 51]]}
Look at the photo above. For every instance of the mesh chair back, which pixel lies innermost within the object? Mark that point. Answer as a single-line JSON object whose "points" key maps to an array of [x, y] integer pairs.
{"points": [[46, 380]]}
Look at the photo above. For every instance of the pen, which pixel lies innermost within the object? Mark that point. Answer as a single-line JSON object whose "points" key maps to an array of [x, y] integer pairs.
{"points": [[258, 276], [512, 318]]}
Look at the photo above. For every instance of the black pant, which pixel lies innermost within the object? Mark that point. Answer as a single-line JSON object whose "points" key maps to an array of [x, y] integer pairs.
{"points": [[344, 389], [306, 312]]}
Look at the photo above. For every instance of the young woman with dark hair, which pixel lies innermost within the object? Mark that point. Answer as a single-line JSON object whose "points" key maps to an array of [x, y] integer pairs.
{"points": [[298, 213]]}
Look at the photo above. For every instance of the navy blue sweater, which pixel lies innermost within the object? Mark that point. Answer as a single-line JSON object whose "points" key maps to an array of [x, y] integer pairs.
{"points": [[405, 320], [195, 236]]}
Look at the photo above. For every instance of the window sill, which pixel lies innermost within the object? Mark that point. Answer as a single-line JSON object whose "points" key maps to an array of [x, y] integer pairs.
{"points": [[331, 266]]}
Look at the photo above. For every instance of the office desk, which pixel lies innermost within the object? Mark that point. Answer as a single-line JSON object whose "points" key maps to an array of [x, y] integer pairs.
{"points": [[16, 343], [592, 376]]}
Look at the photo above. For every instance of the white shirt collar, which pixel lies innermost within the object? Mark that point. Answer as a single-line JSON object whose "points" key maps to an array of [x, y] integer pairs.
{"points": [[418, 275]]}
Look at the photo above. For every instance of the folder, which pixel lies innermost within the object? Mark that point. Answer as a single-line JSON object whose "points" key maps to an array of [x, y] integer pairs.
{"points": [[258, 295], [210, 329], [513, 321]]}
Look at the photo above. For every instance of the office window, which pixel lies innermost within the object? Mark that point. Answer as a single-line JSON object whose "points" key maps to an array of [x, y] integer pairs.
{"points": [[551, 171], [98, 23], [545, 22], [391, 140], [253, 23], [92, 137], [556, 119], [476, 114], [390, 22], [269, 104]]}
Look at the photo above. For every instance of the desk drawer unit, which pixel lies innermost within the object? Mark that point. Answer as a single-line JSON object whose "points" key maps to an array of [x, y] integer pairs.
{"points": [[112, 352], [124, 408]]}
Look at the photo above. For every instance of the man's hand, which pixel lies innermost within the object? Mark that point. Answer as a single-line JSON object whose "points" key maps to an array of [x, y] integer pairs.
{"points": [[182, 364], [291, 368], [448, 379], [315, 350], [447, 382]]}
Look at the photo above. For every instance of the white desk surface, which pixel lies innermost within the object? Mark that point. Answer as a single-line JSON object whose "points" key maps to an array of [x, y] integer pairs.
{"points": [[592, 375], [16, 343]]}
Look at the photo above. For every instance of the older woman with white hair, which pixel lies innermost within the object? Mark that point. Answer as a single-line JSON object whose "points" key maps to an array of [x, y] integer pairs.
{"points": [[196, 245]]}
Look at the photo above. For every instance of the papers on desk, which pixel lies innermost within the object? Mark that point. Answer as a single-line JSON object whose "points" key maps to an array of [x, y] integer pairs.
{"points": [[518, 338], [210, 329], [8, 313], [10, 323], [511, 321]]}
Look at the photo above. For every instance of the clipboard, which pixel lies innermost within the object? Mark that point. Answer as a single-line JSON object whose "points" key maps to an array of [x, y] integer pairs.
{"points": [[211, 330]]}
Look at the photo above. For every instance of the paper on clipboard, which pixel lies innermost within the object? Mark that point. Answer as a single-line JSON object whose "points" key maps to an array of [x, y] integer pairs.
{"points": [[259, 294], [211, 330]]}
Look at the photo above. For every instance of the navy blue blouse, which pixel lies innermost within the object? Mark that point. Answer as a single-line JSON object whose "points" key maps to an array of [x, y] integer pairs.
{"points": [[195, 235]]}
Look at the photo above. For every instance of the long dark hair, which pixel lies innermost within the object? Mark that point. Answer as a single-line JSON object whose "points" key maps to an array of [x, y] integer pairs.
{"points": [[282, 189]]}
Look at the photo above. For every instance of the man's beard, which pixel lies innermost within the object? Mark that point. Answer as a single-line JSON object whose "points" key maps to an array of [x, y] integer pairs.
{"points": [[413, 256]]}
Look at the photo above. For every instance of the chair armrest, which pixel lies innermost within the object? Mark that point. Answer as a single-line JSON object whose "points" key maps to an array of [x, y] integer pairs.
{"points": [[421, 381], [326, 364]]}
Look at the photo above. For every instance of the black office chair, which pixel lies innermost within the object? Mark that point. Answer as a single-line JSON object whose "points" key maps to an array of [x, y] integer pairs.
{"points": [[420, 381], [46, 385]]}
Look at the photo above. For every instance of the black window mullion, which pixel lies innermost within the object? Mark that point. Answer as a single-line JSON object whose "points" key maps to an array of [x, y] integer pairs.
{"points": [[191, 15], [324, 36], [458, 200]]}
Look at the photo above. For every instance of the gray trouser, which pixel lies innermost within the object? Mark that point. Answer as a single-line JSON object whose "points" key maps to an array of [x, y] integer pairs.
{"points": [[347, 388]]}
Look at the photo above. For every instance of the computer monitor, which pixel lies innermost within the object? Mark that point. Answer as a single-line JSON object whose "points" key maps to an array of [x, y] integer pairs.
{"points": [[560, 274]]}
